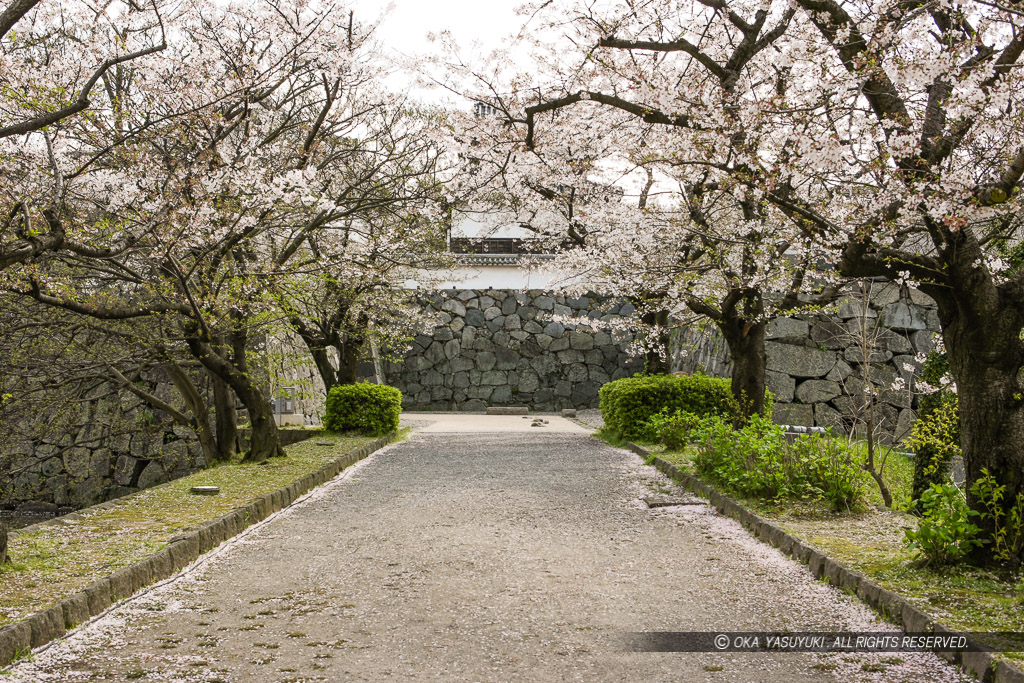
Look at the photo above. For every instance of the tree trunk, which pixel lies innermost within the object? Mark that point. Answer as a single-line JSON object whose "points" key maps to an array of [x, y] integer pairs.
{"points": [[322, 360], [349, 353], [226, 415], [199, 409], [986, 359], [264, 442], [656, 361], [746, 349]]}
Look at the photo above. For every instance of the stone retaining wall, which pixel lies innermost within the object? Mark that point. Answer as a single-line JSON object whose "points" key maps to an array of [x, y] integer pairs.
{"points": [[114, 445], [501, 347], [815, 362]]}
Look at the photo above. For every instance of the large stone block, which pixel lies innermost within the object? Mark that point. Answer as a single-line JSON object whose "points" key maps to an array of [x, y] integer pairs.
{"points": [[901, 316], [494, 377], [152, 475], [124, 470], [452, 348], [560, 344], [577, 372], [485, 360], [854, 308], [509, 305], [506, 359], [816, 391], [554, 329], [793, 414], [454, 306], [475, 317], [492, 312], [799, 361], [544, 303], [855, 354], [781, 385], [435, 354], [826, 416], [581, 341], [788, 329]]}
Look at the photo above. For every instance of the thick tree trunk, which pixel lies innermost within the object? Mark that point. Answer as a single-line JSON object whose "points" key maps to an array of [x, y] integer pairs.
{"points": [[264, 442], [349, 353], [322, 360], [746, 349], [656, 361], [986, 359], [226, 416], [199, 409]]}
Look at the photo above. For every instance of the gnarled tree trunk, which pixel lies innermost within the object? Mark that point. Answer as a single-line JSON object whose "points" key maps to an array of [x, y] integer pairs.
{"points": [[747, 351], [264, 442], [982, 332], [656, 361]]}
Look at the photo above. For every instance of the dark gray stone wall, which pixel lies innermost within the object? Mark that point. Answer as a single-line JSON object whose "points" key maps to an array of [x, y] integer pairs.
{"points": [[815, 362], [501, 347], [111, 446]]}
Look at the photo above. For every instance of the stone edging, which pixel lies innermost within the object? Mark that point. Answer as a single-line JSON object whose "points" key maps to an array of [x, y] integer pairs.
{"points": [[899, 610], [40, 628]]}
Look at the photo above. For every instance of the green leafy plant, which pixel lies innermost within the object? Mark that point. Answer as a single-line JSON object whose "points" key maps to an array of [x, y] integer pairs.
{"points": [[756, 460], [370, 409], [945, 534], [671, 428], [935, 440], [1007, 527], [627, 404], [830, 470]]}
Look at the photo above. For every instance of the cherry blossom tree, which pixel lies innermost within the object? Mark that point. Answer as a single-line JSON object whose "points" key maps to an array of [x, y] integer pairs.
{"points": [[272, 133], [56, 62], [641, 101], [889, 134], [913, 173]]}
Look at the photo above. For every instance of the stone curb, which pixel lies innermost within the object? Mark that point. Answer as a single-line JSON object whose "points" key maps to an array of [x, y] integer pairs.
{"points": [[981, 665], [40, 628]]}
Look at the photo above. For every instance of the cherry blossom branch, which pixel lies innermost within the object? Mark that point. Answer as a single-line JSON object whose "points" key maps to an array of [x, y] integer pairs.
{"points": [[82, 102]]}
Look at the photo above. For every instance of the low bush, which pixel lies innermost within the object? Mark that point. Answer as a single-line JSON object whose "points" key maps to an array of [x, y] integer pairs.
{"points": [[627, 404], [671, 428], [370, 409], [945, 534]]}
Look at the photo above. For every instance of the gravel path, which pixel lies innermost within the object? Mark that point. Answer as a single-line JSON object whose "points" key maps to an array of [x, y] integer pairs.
{"points": [[478, 557]]}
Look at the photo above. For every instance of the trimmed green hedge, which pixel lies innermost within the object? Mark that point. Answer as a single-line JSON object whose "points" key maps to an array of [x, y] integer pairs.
{"points": [[626, 404], [370, 409]]}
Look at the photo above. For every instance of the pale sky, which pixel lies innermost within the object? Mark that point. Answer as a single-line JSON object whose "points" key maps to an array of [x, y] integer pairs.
{"points": [[478, 26]]}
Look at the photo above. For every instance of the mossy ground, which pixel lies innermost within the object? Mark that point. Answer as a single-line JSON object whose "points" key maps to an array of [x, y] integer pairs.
{"points": [[871, 540], [50, 563]]}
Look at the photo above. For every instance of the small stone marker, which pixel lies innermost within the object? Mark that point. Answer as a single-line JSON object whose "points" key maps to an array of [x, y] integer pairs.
{"points": [[568, 412], [508, 410], [324, 443], [205, 490], [3, 543], [668, 501]]}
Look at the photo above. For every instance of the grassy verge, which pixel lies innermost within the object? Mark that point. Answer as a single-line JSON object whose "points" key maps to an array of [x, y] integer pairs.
{"points": [[49, 564], [871, 541]]}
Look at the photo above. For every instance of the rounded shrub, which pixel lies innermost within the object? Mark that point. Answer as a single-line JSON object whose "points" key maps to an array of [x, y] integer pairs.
{"points": [[627, 404], [370, 409]]}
